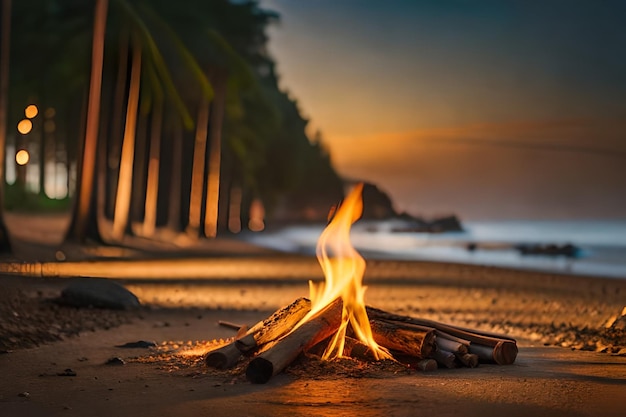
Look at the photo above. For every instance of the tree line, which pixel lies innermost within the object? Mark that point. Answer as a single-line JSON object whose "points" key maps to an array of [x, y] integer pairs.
{"points": [[170, 112]]}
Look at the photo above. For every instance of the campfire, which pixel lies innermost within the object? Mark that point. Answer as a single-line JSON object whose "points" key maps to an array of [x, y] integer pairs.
{"points": [[335, 321]]}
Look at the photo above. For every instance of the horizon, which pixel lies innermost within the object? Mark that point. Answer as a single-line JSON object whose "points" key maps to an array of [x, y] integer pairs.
{"points": [[488, 110]]}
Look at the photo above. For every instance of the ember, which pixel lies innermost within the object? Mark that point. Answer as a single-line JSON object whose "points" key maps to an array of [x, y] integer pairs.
{"points": [[336, 323]]}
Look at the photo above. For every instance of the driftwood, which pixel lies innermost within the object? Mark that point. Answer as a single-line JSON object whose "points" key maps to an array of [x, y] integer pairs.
{"points": [[489, 347], [444, 358], [275, 326], [420, 343], [453, 346], [285, 350], [404, 338], [468, 359], [356, 349], [427, 365], [272, 328]]}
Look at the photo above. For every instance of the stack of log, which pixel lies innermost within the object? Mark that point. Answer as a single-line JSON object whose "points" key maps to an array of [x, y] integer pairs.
{"points": [[423, 344]]}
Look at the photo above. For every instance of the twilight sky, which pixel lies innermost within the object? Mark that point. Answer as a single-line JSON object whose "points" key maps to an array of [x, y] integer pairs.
{"points": [[502, 109]]}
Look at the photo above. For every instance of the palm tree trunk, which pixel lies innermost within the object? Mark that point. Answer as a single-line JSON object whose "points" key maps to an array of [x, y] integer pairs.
{"points": [[197, 173], [112, 157], [215, 155], [85, 188], [5, 245], [152, 185], [174, 215], [140, 173], [122, 201]]}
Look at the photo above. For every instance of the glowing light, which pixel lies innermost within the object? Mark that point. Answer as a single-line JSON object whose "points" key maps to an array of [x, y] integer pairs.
{"points": [[24, 126], [22, 157], [31, 111], [50, 113], [257, 215], [343, 269]]}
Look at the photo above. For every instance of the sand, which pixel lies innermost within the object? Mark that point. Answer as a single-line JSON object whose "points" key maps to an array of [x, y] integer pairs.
{"points": [[570, 362], [572, 357]]}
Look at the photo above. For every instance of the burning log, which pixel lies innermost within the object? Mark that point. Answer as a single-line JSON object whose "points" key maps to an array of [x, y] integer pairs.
{"points": [[404, 338], [223, 358], [275, 326], [285, 350], [358, 350], [265, 331], [489, 347]]}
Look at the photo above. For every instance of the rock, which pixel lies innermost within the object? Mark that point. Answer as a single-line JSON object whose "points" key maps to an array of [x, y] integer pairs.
{"points": [[24, 394], [445, 224], [377, 204], [67, 372], [116, 361], [139, 344], [98, 292]]}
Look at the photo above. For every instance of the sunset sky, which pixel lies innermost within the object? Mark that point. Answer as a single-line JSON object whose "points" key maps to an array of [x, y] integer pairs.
{"points": [[489, 109]]}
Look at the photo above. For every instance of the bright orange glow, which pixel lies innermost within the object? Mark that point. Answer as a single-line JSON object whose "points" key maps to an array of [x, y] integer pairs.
{"points": [[24, 126], [343, 269], [22, 157], [31, 111]]}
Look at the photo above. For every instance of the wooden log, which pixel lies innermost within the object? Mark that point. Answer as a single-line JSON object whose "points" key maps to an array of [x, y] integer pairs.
{"points": [[276, 325], [444, 358], [224, 357], [230, 325], [468, 359], [503, 353], [504, 349], [358, 350], [284, 351], [427, 365], [403, 338], [450, 345]]}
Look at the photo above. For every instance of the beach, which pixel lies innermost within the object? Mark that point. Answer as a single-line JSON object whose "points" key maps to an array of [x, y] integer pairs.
{"points": [[570, 360], [569, 330]]}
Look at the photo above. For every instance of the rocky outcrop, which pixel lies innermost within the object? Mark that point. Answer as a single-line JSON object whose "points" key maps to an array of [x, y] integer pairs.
{"points": [[377, 205]]}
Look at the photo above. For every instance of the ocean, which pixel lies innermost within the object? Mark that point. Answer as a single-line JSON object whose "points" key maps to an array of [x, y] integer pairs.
{"points": [[601, 244]]}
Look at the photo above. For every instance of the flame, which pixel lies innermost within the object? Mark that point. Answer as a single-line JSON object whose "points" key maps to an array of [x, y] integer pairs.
{"points": [[343, 269]]}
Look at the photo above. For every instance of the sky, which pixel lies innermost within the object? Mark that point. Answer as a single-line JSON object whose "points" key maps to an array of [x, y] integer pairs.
{"points": [[502, 109]]}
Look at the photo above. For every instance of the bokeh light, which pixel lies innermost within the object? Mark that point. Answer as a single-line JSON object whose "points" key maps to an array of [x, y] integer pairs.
{"points": [[49, 126], [50, 112], [22, 157], [31, 111], [24, 126]]}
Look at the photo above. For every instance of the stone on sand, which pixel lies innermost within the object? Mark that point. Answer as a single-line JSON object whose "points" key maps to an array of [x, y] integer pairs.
{"points": [[100, 293]]}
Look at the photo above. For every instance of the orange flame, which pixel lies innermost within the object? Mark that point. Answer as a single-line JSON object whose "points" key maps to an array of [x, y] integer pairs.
{"points": [[343, 268]]}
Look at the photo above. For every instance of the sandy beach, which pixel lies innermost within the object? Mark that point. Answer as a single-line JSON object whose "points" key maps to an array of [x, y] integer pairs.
{"points": [[570, 362], [572, 342]]}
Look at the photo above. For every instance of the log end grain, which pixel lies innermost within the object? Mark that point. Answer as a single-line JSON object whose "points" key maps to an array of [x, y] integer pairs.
{"points": [[259, 371]]}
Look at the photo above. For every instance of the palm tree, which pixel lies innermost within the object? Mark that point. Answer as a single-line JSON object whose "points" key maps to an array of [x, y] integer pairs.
{"points": [[85, 195], [122, 202]]}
